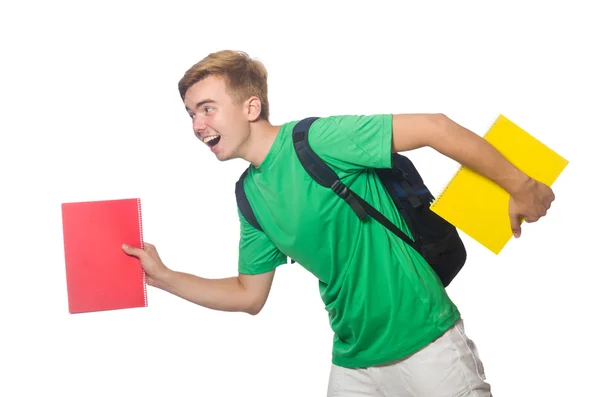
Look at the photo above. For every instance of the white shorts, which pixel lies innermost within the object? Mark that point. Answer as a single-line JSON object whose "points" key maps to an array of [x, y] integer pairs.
{"points": [[449, 367]]}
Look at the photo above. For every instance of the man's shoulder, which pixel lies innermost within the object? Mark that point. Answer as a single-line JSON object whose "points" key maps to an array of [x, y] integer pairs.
{"points": [[342, 123]]}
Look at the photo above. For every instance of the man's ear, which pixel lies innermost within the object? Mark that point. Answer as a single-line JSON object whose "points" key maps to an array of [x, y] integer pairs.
{"points": [[253, 108]]}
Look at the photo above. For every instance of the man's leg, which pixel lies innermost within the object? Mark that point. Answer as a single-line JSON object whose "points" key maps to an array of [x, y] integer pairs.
{"points": [[351, 382], [449, 367]]}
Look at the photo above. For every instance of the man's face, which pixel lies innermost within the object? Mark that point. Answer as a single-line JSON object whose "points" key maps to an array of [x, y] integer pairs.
{"points": [[217, 121]]}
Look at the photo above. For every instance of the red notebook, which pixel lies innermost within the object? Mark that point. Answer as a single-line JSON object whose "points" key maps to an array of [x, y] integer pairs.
{"points": [[100, 275]]}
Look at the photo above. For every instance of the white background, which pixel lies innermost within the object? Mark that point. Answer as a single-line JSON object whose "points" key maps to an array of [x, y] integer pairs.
{"points": [[90, 110]]}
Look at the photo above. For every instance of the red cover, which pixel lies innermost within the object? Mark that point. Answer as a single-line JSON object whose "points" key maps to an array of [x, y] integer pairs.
{"points": [[100, 275]]}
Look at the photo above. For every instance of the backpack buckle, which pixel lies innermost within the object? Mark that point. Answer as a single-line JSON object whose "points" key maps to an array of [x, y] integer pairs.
{"points": [[340, 189]]}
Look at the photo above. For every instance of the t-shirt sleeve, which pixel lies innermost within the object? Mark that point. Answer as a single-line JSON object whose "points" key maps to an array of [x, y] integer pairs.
{"points": [[257, 253], [353, 142]]}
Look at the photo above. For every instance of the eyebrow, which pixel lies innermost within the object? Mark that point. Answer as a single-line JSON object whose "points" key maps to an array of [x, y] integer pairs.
{"points": [[205, 101]]}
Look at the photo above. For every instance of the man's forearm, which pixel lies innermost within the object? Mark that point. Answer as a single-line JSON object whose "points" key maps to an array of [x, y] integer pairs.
{"points": [[472, 151], [226, 294]]}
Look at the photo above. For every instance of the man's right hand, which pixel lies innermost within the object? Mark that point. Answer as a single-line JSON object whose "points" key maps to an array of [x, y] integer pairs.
{"points": [[151, 263], [245, 293], [531, 202]]}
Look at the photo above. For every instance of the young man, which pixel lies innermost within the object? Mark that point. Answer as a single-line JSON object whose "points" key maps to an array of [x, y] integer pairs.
{"points": [[396, 331]]}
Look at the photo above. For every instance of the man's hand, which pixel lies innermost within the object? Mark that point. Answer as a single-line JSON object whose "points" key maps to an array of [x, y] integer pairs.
{"points": [[151, 262], [243, 293], [529, 203]]}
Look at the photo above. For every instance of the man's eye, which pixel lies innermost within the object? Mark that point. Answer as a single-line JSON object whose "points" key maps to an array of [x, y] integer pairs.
{"points": [[208, 109]]}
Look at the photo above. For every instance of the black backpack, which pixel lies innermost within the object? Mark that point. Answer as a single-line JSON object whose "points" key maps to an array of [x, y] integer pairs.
{"points": [[434, 238]]}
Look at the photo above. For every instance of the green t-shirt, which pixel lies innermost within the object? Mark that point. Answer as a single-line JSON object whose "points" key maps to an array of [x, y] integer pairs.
{"points": [[384, 301]]}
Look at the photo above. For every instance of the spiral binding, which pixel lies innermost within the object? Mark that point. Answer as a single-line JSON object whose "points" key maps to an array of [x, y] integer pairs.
{"points": [[441, 193], [139, 203]]}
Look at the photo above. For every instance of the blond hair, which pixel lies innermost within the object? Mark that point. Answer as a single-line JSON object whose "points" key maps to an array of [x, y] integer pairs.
{"points": [[244, 77]]}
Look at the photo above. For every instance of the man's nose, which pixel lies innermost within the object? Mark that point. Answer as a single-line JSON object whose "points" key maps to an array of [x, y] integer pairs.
{"points": [[199, 125]]}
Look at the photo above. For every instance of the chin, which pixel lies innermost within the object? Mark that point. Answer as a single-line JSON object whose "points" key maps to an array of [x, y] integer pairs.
{"points": [[223, 157], [226, 155], [222, 154]]}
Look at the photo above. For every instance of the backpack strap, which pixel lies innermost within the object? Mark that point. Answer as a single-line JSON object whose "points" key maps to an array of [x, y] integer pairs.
{"points": [[243, 203], [325, 176], [379, 217], [318, 170]]}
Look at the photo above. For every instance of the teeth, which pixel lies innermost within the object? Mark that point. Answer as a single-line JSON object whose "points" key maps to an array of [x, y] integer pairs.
{"points": [[209, 138]]}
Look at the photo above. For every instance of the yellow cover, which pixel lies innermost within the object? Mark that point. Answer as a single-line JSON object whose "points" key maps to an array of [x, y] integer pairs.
{"points": [[479, 207]]}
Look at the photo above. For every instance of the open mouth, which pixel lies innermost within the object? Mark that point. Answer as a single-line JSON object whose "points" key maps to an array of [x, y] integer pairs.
{"points": [[212, 141]]}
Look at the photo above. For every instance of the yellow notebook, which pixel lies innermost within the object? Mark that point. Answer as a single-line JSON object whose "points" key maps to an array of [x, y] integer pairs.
{"points": [[479, 207]]}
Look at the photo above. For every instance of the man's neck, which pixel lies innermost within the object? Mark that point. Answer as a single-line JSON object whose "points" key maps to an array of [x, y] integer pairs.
{"points": [[262, 136]]}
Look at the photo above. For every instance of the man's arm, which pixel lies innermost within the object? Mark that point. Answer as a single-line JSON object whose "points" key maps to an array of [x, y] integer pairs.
{"points": [[244, 293], [411, 131], [530, 199]]}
